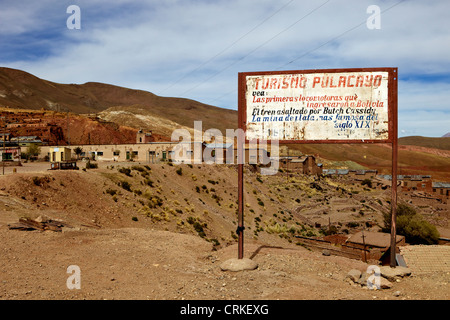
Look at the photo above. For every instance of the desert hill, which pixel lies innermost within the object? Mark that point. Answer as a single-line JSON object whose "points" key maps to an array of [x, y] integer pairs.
{"points": [[442, 143], [160, 231], [57, 128], [19, 89], [412, 159], [119, 112]]}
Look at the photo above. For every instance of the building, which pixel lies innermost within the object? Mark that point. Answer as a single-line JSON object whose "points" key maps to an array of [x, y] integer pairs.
{"points": [[10, 151], [336, 172], [61, 158], [255, 155], [423, 259], [153, 152], [374, 244], [10, 154], [416, 183], [5, 137], [218, 153], [363, 174], [60, 154], [26, 141], [441, 190], [304, 164], [143, 137]]}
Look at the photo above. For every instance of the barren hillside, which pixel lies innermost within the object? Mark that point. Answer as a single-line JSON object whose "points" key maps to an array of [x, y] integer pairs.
{"points": [[57, 128], [19, 89], [141, 231], [412, 159], [136, 109]]}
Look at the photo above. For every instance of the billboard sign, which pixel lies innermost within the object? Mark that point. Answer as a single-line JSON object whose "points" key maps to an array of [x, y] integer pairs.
{"points": [[307, 106]]}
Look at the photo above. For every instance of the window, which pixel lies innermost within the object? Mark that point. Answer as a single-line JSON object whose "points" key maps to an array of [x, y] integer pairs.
{"points": [[100, 153]]}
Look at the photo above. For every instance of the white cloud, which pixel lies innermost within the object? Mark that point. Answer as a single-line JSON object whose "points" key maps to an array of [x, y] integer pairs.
{"points": [[424, 123], [156, 45]]}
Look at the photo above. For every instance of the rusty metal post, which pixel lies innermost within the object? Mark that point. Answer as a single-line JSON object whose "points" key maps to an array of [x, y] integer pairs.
{"points": [[240, 229], [393, 203], [394, 171], [240, 161]]}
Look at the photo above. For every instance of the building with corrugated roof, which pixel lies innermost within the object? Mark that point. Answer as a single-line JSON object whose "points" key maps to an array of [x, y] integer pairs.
{"points": [[305, 164], [441, 190], [375, 244]]}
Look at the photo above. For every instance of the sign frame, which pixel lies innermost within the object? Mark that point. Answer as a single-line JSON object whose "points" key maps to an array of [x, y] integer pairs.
{"points": [[392, 100]]}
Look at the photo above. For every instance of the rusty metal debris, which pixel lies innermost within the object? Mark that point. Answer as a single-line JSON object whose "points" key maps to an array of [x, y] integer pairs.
{"points": [[28, 224]]}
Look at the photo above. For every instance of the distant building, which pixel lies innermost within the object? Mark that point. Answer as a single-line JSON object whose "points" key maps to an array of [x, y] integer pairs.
{"points": [[416, 182], [364, 173], [153, 152], [26, 141], [305, 164], [60, 154], [10, 154], [218, 152], [423, 183], [375, 244], [338, 172], [429, 259], [254, 155], [441, 190], [61, 158], [5, 137], [144, 137]]}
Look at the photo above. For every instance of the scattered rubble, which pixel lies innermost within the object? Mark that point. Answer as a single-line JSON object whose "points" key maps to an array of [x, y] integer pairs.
{"points": [[41, 224], [238, 265], [380, 277], [393, 274]]}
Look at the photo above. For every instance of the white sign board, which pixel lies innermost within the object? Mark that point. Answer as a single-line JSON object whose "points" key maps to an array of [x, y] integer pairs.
{"points": [[319, 105]]}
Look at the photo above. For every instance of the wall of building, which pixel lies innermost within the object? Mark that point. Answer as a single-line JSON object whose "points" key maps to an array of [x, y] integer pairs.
{"points": [[144, 152], [153, 152], [58, 154], [306, 165], [10, 154]]}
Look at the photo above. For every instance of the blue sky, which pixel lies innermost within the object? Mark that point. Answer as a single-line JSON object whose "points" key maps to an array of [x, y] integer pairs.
{"points": [[195, 48]]}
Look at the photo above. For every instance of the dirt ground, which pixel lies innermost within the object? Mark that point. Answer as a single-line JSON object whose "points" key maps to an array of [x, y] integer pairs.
{"points": [[125, 261], [149, 264]]}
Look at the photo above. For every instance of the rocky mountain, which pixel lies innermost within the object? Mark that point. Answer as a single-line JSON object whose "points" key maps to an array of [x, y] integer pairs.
{"points": [[113, 114], [19, 89]]}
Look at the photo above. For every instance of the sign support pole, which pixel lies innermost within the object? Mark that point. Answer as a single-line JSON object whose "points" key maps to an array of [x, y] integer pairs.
{"points": [[240, 229], [394, 173], [240, 160], [287, 88]]}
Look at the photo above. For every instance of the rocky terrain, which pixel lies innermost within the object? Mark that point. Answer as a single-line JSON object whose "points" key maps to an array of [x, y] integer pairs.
{"points": [[165, 233]]}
